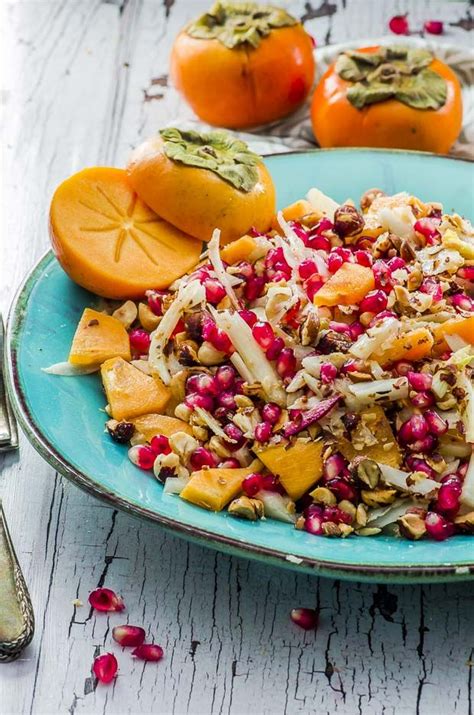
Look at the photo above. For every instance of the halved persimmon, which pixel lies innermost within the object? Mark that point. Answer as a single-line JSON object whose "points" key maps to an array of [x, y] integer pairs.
{"points": [[110, 242]]}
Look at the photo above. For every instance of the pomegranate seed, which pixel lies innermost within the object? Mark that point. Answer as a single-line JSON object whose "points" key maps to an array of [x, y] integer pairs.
{"points": [[419, 380], [291, 316], [230, 463], [462, 469], [363, 258], [286, 363], [427, 227], [299, 231], [340, 327], [462, 302], [423, 400], [142, 456], [128, 636], [215, 291], [313, 524], [139, 341], [312, 285], [415, 464], [312, 508], [263, 432], [436, 424], [202, 457], [225, 377], [334, 466], [355, 330], [270, 483], [403, 367], [205, 402], [383, 315], [226, 399], [271, 413], [334, 262], [252, 484], [466, 273], [399, 25], [396, 263], [160, 444], [434, 27], [202, 384], [374, 302], [249, 317], [234, 432], [382, 276], [263, 334], [416, 427], [328, 373], [341, 489], [104, 599], [155, 301], [208, 328], [449, 495], [105, 667], [338, 516], [345, 253], [180, 328], [425, 445], [438, 527], [430, 286], [148, 651], [306, 618], [307, 268], [253, 289], [324, 225], [245, 270], [239, 386], [318, 242], [353, 366], [275, 348], [275, 256]]}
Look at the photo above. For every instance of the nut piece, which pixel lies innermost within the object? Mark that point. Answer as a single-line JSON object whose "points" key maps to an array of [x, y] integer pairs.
{"points": [[322, 495], [246, 508], [309, 330], [121, 432], [367, 471], [361, 515], [348, 507], [412, 526], [208, 355], [347, 221], [377, 497], [369, 197], [183, 445], [466, 522], [147, 317], [368, 531]]}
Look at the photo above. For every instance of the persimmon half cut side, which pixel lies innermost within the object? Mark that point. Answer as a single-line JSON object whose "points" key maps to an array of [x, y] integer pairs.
{"points": [[110, 242]]}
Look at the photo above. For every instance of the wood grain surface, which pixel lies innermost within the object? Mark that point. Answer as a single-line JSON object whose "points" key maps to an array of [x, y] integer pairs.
{"points": [[82, 82]]}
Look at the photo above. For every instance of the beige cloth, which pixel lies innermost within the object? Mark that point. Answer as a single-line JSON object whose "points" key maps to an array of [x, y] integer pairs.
{"points": [[295, 131]]}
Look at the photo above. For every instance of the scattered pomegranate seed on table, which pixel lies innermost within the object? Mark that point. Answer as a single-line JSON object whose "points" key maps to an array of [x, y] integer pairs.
{"points": [[148, 652], [104, 599], [105, 667], [434, 27], [128, 636], [306, 618], [399, 25]]}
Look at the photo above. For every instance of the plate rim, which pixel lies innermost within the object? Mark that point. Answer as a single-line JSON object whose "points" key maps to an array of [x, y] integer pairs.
{"points": [[429, 573]]}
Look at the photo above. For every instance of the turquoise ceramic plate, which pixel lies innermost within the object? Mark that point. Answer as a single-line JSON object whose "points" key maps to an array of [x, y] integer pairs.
{"points": [[63, 419]]}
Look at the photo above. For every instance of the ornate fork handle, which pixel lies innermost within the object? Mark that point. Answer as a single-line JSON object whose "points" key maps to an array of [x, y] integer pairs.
{"points": [[17, 622]]}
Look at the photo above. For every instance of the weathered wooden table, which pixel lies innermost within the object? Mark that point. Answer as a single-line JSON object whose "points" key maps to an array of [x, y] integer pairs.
{"points": [[83, 81]]}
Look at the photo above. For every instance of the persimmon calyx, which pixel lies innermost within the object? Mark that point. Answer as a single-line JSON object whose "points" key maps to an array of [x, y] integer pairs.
{"points": [[218, 151], [234, 23], [392, 73]]}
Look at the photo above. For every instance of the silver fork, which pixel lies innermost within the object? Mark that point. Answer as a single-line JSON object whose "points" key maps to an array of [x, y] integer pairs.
{"points": [[16, 612]]}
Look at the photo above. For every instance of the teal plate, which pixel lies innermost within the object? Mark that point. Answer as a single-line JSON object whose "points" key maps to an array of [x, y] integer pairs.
{"points": [[64, 420]]}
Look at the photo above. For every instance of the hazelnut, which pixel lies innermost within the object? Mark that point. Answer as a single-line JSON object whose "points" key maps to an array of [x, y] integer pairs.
{"points": [[347, 221], [369, 197]]}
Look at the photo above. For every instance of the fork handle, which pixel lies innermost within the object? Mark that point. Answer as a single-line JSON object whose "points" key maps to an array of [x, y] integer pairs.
{"points": [[17, 621]]}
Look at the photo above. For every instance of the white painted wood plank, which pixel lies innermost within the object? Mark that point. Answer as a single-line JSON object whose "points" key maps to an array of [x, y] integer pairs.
{"points": [[76, 93]]}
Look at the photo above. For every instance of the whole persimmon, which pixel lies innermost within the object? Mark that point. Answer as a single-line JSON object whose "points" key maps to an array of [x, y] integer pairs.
{"points": [[243, 64], [202, 181], [396, 97]]}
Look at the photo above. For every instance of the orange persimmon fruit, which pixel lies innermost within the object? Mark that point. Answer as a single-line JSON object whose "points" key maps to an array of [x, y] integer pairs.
{"points": [[347, 286], [242, 77], [98, 337], [131, 393], [195, 197], [389, 122], [411, 346], [464, 327], [109, 242]]}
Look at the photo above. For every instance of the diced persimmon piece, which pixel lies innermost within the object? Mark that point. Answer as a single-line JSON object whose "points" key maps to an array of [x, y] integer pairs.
{"points": [[151, 425], [110, 242], [298, 466], [98, 337], [464, 327], [214, 488], [239, 250], [131, 393], [411, 346], [347, 286], [373, 421]]}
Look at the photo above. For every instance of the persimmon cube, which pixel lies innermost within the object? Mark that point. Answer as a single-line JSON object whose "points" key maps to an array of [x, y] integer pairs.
{"points": [[347, 286], [298, 466], [131, 393], [98, 337], [239, 250], [384, 450], [464, 327], [411, 346], [153, 424], [214, 488]]}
